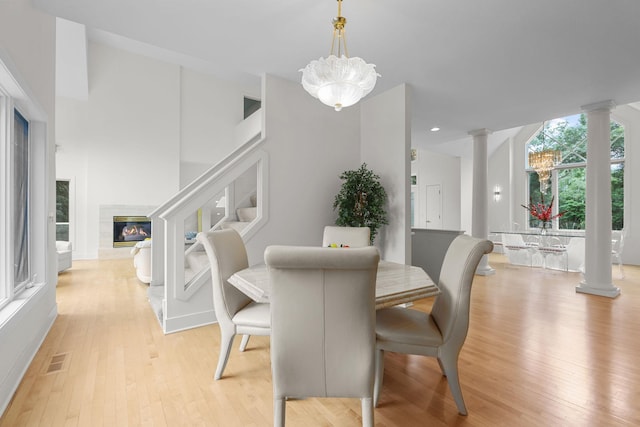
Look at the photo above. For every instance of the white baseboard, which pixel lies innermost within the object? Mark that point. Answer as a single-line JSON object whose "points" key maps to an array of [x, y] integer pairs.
{"points": [[189, 321], [23, 333]]}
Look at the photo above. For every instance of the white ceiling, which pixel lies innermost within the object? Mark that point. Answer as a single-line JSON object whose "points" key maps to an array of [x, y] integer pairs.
{"points": [[494, 64]]}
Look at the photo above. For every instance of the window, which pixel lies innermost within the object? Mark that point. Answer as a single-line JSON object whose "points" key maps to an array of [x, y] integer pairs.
{"points": [[568, 187], [19, 190], [23, 190], [62, 210], [251, 106]]}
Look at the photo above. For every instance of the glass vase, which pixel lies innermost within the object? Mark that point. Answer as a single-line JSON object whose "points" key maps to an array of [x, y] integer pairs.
{"points": [[543, 227]]}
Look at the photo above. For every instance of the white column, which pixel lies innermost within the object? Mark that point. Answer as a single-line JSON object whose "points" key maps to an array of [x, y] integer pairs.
{"points": [[480, 201], [597, 275]]}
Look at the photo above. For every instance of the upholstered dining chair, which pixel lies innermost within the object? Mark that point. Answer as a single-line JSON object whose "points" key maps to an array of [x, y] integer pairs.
{"points": [[441, 333], [354, 237], [236, 312], [322, 324]]}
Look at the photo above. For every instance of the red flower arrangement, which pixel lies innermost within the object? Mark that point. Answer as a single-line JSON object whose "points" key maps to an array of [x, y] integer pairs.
{"points": [[542, 212]]}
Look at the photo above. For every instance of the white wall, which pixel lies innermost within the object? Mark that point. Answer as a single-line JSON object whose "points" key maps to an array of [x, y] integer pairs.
{"points": [[309, 146], [434, 168], [27, 40], [147, 128], [385, 145], [499, 211], [210, 110]]}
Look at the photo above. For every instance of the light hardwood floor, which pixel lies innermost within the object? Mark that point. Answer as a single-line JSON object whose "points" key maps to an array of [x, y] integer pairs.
{"points": [[537, 354]]}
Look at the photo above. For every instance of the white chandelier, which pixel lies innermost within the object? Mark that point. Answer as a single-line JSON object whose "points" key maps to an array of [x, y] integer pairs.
{"points": [[339, 81]]}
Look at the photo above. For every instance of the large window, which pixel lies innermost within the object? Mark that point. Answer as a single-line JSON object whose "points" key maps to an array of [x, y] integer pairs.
{"points": [[568, 186], [23, 224]]}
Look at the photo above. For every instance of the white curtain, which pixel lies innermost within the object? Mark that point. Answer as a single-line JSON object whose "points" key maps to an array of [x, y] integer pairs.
{"points": [[20, 187]]}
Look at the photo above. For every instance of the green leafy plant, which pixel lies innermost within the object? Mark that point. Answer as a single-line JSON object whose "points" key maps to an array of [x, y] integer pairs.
{"points": [[361, 200]]}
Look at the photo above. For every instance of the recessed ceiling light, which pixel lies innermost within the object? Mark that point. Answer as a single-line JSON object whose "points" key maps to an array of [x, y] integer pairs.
{"points": [[435, 129]]}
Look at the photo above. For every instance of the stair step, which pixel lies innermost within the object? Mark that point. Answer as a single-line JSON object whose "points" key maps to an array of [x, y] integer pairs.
{"points": [[247, 214], [196, 261], [156, 295], [188, 275], [236, 225]]}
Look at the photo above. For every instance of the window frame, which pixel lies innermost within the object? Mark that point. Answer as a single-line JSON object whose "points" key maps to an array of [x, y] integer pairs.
{"points": [[18, 287], [6, 250], [14, 98], [68, 222]]}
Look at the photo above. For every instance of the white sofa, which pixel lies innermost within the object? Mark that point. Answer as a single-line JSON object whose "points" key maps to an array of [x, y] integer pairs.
{"points": [[64, 255], [142, 260]]}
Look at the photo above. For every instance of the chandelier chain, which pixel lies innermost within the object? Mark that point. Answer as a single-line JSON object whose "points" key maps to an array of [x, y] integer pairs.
{"points": [[339, 33]]}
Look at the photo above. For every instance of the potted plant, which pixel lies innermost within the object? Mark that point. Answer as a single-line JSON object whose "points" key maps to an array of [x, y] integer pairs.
{"points": [[361, 200]]}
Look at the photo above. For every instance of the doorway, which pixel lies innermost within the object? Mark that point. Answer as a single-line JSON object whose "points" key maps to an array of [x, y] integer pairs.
{"points": [[434, 206]]}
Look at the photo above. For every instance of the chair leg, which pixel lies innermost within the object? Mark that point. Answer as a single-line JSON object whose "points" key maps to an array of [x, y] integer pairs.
{"points": [[621, 269], [244, 342], [367, 412], [449, 367], [377, 384], [279, 408], [226, 339]]}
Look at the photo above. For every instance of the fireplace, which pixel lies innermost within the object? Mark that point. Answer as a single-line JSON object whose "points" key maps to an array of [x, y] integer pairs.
{"points": [[128, 230]]}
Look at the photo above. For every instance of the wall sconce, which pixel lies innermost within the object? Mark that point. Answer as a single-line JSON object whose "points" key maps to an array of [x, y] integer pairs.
{"points": [[496, 193]]}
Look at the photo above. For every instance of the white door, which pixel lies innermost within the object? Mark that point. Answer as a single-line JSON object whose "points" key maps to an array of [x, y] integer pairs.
{"points": [[434, 206]]}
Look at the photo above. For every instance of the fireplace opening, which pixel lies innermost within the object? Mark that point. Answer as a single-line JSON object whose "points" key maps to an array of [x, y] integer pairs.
{"points": [[128, 230]]}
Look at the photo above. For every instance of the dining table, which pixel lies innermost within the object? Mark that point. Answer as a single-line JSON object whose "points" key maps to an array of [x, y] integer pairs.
{"points": [[396, 283]]}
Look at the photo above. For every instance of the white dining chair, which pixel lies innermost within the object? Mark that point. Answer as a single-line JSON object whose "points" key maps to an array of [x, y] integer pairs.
{"points": [[551, 248], [617, 245], [322, 324], [517, 250], [575, 254], [236, 313], [442, 332], [353, 237]]}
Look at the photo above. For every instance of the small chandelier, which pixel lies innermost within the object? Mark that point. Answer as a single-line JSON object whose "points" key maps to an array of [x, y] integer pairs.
{"points": [[543, 162], [339, 81]]}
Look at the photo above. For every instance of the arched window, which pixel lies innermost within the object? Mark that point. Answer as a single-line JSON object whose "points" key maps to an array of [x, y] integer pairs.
{"points": [[568, 180]]}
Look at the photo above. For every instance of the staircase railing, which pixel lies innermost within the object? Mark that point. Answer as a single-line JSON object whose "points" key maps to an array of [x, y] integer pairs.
{"points": [[169, 257]]}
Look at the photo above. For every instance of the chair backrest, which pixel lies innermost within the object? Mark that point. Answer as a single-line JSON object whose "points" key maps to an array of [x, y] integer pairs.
{"points": [[354, 237], [227, 255], [552, 242], [575, 254], [618, 240], [322, 320], [509, 239], [451, 308]]}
